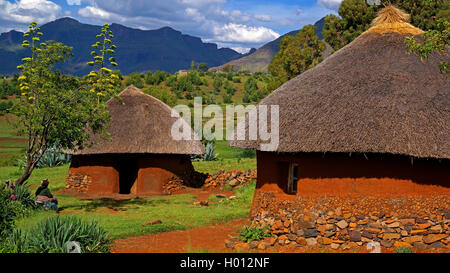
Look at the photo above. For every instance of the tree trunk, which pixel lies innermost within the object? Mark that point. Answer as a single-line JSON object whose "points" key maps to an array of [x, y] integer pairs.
{"points": [[26, 174]]}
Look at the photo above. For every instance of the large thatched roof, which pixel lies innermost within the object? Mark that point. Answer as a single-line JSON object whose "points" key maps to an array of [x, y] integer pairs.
{"points": [[140, 124], [370, 97]]}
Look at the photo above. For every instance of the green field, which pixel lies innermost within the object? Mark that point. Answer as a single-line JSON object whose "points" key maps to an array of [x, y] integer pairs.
{"points": [[123, 218]]}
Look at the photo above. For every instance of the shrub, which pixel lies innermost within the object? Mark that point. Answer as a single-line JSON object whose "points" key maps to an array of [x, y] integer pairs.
{"points": [[404, 249], [10, 208], [253, 233], [247, 153], [51, 235]]}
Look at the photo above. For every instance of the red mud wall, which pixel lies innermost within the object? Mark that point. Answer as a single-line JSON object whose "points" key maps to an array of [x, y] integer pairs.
{"points": [[156, 170], [153, 171], [342, 174], [102, 174]]}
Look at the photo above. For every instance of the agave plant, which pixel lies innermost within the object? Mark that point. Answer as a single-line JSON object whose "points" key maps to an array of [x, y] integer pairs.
{"points": [[53, 234], [210, 154], [51, 158]]}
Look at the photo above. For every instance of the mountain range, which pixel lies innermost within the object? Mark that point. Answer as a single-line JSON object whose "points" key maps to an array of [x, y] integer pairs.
{"points": [[260, 59], [137, 50]]}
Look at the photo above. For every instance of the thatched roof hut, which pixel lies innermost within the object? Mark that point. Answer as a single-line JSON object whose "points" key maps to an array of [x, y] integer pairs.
{"points": [[141, 124], [369, 97], [141, 156]]}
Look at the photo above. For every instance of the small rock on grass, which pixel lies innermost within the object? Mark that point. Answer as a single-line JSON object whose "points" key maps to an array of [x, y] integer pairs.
{"points": [[156, 222]]}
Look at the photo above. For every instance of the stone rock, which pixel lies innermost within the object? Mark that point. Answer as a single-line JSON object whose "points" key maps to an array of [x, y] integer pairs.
{"points": [[407, 222], [342, 224], [241, 247], [391, 236], [292, 237], [394, 225], [229, 243], [311, 241], [253, 244], [234, 182], [404, 233], [263, 245], [270, 240], [367, 234], [413, 239], [387, 244], [436, 245], [305, 225], [436, 229], [301, 241], [381, 215], [232, 197], [418, 232], [300, 232], [334, 246], [363, 222], [156, 222], [355, 236], [324, 241], [419, 245], [431, 238], [329, 234], [424, 225], [311, 232]]}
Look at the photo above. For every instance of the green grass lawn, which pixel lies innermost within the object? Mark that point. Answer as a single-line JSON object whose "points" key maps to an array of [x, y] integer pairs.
{"points": [[124, 218]]}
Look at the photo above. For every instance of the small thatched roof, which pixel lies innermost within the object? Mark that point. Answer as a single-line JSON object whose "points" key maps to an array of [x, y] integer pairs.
{"points": [[141, 124], [369, 97]]}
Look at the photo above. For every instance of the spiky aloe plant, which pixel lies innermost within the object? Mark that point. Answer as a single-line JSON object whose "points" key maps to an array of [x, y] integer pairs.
{"points": [[53, 234], [210, 154]]}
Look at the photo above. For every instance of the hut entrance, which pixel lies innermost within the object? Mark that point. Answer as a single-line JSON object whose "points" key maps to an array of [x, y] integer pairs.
{"points": [[292, 178], [128, 171]]}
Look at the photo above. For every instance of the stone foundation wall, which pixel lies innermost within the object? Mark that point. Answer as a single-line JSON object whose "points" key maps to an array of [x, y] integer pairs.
{"points": [[346, 222], [78, 182]]}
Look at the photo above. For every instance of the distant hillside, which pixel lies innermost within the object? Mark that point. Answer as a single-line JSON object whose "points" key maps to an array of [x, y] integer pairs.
{"points": [[138, 50], [259, 60]]}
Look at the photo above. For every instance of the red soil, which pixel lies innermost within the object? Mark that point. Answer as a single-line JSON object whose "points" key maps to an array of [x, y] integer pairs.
{"points": [[210, 238]]}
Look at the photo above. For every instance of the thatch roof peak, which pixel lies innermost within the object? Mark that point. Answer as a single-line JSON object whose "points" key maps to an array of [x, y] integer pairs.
{"points": [[141, 124], [391, 19], [369, 97]]}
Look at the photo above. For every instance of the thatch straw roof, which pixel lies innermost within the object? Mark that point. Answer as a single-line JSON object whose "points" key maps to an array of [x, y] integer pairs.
{"points": [[140, 124], [369, 97]]}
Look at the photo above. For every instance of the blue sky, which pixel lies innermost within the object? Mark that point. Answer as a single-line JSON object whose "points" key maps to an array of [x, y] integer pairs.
{"points": [[238, 24]]}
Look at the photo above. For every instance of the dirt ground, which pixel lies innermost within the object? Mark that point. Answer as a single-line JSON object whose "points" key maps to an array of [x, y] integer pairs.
{"points": [[204, 239]]}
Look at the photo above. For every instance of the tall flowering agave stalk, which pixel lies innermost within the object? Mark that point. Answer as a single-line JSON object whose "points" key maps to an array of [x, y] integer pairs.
{"points": [[56, 109], [103, 80]]}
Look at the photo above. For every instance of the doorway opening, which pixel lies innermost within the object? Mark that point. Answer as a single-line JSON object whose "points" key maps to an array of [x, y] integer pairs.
{"points": [[292, 178], [128, 171]]}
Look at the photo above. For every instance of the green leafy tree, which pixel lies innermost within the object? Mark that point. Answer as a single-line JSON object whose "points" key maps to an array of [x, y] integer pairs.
{"points": [[202, 67], [433, 41], [135, 79], [55, 109], [355, 17], [297, 54]]}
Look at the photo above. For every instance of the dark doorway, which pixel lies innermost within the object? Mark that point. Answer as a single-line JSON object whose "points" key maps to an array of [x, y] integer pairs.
{"points": [[128, 171]]}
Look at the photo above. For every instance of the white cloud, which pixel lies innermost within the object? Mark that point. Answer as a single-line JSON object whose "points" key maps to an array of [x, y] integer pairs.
{"points": [[242, 50], [330, 4], [245, 34], [22, 12], [73, 2], [263, 17], [93, 12]]}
